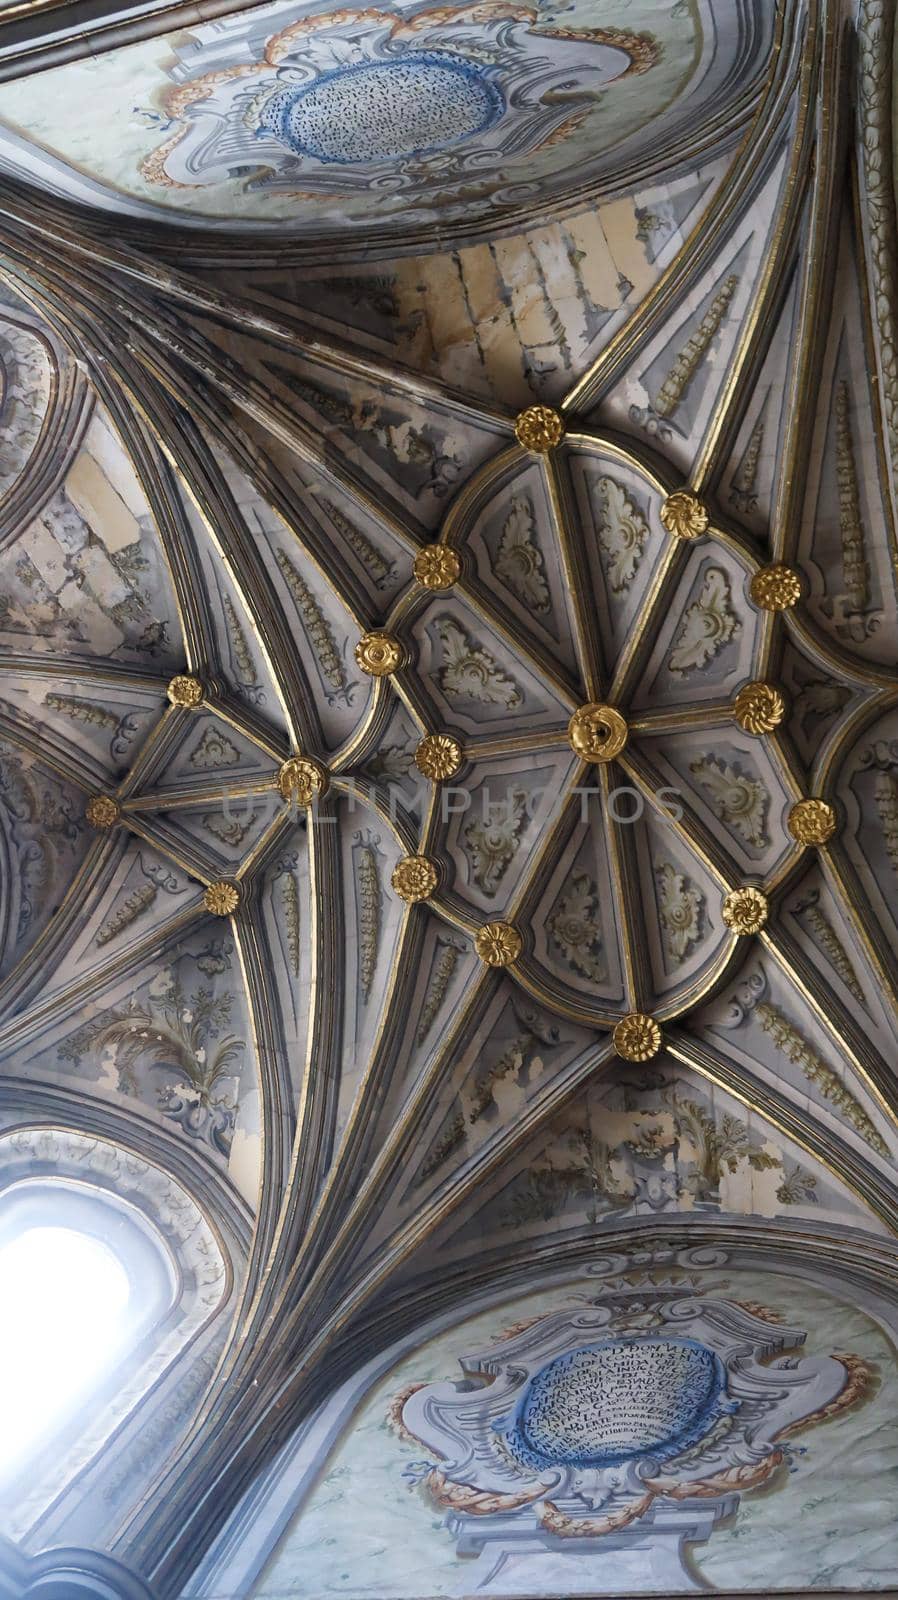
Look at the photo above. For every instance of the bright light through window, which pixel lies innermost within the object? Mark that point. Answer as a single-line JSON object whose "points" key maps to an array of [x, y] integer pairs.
{"points": [[64, 1301]]}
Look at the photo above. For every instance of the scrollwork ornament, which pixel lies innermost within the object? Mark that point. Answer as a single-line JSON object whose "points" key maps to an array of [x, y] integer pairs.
{"points": [[539, 429], [883, 754], [759, 707], [637, 1037], [775, 587], [102, 811], [745, 910], [439, 756], [185, 691], [378, 654], [437, 567], [684, 515], [498, 944], [415, 878], [744, 998], [221, 898], [812, 821]]}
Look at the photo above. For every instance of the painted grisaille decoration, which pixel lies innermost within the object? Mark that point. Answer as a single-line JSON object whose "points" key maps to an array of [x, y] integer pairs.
{"points": [[328, 116], [342, 98], [637, 1419], [449, 787]]}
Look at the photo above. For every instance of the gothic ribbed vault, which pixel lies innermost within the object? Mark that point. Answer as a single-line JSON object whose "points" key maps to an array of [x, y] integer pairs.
{"points": [[330, 505]]}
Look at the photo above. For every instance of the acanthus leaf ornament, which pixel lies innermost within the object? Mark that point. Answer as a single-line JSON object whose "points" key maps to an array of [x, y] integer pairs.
{"points": [[439, 756], [441, 975], [303, 779], [574, 928], [855, 567], [812, 821], [322, 640], [759, 707], [471, 672], [684, 515], [436, 566], [184, 690], [681, 908], [791, 1041], [737, 798], [597, 732], [498, 944], [221, 898], [539, 429], [776, 587], [415, 878], [708, 624], [378, 654], [102, 811], [622, 532], [213, 750], [491, 840], [677, 383], [519, 559], [745, 910], [637, 1037]]}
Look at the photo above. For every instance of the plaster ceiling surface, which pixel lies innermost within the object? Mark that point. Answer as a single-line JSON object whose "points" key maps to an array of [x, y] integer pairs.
{"points": [[449, 722], [296, 118]]}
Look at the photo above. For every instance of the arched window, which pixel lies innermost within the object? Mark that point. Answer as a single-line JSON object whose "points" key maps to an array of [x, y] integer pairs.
{"points": [[82, 1278], [114, 1284], [66, 1303]]}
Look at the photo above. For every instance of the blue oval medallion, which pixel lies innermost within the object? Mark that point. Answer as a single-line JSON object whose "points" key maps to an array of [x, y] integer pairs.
{"points": [[384, 110], [609, 1403]]}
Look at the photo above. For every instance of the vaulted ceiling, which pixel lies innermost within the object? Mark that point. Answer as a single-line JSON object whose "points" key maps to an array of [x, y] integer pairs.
{"points": [[449, 721]]}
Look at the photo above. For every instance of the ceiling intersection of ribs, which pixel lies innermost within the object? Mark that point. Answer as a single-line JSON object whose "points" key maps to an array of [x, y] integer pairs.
{"points": [[444, 812]]}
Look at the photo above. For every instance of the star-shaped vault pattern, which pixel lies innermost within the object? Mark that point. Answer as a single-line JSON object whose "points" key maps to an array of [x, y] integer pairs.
{"points": [[393, 774]]}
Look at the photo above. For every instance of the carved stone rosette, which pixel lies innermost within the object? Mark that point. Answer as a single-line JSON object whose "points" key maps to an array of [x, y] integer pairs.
{"points": [[378, 654], [597, 732], [437, 567], [745, 910], [221, 898], [185, 691], [303, 779], [414, 878], [684, 515], [759, 707], [539, 429], [775, 587], [812, 821], [498, 944], [439, 756], [102, 811], [637, 1037]]}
